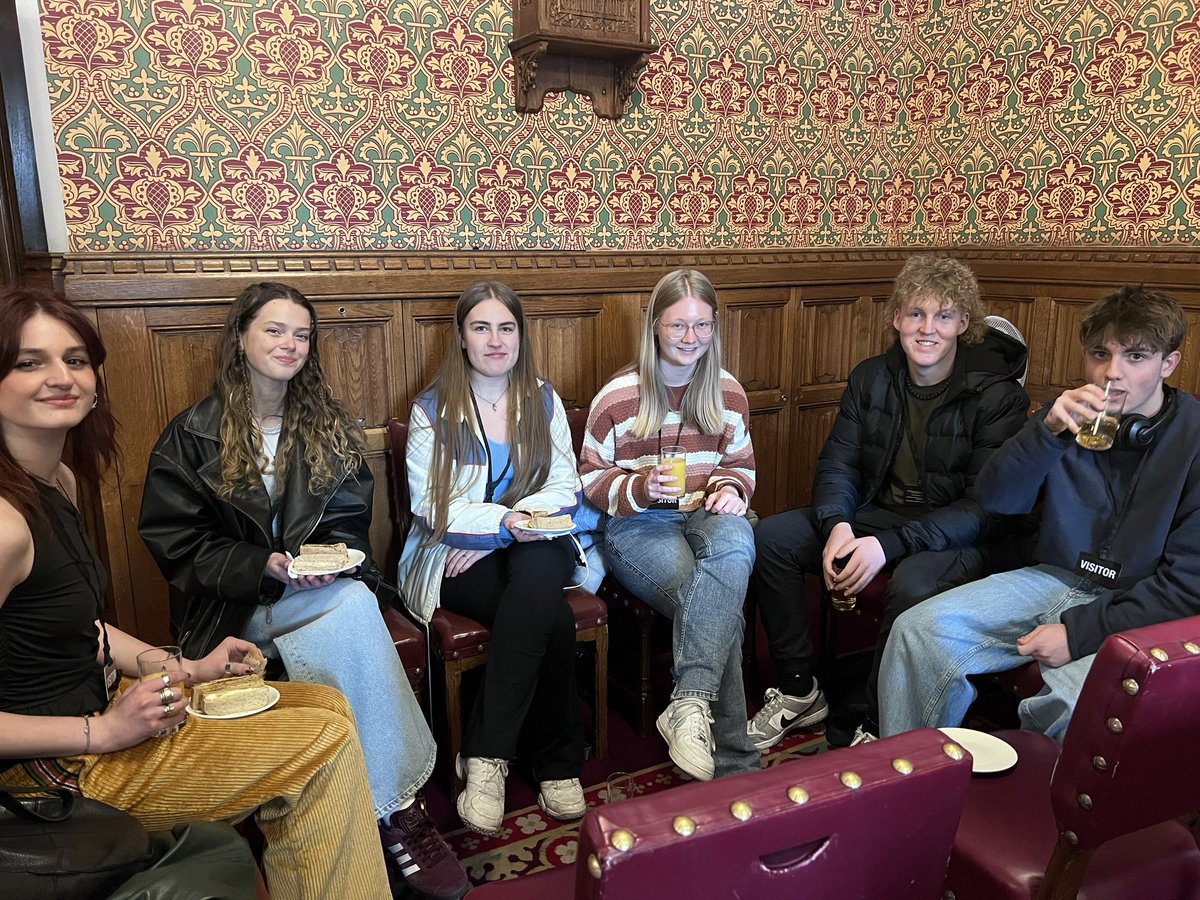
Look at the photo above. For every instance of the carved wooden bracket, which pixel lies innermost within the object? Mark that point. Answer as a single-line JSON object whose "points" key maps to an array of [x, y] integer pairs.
{"points": [[592, 47]]}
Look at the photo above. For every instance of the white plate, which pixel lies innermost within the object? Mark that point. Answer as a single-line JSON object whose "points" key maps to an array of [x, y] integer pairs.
{"points": [[356, 559], [989, 753], [274, 698], [553, 532]]}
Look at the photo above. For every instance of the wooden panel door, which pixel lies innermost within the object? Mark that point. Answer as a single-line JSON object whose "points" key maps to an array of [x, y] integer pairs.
{"points": [[755, 325]]}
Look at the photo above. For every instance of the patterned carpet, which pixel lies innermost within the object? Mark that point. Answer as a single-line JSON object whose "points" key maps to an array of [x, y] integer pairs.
{"points": [[531, 841]]}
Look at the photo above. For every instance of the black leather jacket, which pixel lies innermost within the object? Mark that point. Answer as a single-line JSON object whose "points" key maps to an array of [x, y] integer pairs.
{"points": [[213, 553], [984, 406]]}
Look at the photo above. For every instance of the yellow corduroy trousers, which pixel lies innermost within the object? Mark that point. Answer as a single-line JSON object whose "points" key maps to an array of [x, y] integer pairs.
{"points": [[298, 764]]}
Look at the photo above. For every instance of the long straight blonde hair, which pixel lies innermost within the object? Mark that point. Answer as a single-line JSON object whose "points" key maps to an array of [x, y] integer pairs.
{"points": [[528, 423], [703, 405]]}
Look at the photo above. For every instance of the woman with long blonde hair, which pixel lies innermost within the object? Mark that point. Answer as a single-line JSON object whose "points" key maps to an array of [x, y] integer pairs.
{"points": [[686, 548], [488, 446], [237, 483]]}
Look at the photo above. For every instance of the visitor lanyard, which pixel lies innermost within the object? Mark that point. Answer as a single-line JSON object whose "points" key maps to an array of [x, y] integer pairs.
{"points": [[85, 563], [1119, 512], [492, 483], [678, 432], [918, 455]]}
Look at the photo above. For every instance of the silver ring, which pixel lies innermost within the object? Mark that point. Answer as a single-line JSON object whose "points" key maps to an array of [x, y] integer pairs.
{"points": [[166, 695], [168, 709], [228, 668], [166, 680]]}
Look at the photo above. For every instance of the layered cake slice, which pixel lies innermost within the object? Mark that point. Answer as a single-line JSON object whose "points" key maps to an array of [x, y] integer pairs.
{"points": [[320, 558], [230, 696], [546, 522]]}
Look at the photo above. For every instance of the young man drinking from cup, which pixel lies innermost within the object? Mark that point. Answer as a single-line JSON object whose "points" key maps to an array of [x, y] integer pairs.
{"points": [[1119, 541], [891, 490]]}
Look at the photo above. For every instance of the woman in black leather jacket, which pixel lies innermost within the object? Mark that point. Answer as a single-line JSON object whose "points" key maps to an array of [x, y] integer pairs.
{"points": [[236, 484]]}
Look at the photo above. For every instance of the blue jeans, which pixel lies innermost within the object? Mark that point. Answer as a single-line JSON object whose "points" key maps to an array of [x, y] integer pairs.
{"points": [[334, 635], [971, 630], [693, 568]]}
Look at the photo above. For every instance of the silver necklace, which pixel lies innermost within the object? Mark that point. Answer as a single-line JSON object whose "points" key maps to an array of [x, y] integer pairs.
{"points": [[493, 403]]}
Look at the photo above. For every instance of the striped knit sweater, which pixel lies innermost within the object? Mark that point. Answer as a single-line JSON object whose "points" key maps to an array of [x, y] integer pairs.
{"points": [[614, 464]]}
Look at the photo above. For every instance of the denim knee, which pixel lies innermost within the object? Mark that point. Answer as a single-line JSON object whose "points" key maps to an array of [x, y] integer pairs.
{"points": [[725, 537]]}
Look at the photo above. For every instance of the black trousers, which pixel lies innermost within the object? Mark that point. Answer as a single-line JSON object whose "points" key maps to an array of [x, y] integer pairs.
{"points": [[528, 706], [788, 545]]}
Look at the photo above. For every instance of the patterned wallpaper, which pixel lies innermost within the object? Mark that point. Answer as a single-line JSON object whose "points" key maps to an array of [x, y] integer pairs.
{"points": [[362, 124]]}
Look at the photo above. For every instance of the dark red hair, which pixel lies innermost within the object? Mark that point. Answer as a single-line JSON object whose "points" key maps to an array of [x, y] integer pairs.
{"points": [[93, 440]]}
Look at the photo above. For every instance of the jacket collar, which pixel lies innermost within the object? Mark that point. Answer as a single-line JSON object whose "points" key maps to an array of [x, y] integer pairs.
{"points": [[203, 421], [298, 509]]}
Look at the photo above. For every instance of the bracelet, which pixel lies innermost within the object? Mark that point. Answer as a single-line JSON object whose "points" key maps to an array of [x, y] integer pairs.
{"points": [[87, 736]]}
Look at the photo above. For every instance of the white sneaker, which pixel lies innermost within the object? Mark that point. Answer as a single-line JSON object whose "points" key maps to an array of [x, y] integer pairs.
{"points": [[782, 713], [862, 736], [562, 799], [686, 726], [481, 804]]}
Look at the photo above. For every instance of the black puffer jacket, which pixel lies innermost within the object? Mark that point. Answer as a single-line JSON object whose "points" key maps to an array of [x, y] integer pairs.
{"points": [[214, 554], [984, 406]]}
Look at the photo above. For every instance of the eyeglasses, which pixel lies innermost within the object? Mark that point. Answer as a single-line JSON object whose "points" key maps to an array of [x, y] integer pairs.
{"points": [[677, 330]]}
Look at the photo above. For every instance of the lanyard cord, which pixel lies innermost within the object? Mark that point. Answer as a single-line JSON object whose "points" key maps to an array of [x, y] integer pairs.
{"points": [[679, 430], [914, 391], [1119, 512], [490, 489], [86, 563]]}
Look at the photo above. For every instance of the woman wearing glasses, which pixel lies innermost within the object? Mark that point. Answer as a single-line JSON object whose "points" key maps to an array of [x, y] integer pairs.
{"points": [[685, 549]]}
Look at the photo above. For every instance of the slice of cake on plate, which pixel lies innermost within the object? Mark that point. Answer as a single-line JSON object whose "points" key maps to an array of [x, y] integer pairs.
{"points": [[321, 558], [231, 696], [545, 522]]}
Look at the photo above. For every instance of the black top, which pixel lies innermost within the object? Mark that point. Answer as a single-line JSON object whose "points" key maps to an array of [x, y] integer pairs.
{"points": [[48, 640]]}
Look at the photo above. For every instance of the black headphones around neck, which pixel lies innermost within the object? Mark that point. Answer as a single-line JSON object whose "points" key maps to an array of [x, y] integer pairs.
{"points": [[1137, 432]]}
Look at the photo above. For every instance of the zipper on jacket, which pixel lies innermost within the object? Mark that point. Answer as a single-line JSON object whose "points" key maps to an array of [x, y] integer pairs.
{"points": [[321, 514]]}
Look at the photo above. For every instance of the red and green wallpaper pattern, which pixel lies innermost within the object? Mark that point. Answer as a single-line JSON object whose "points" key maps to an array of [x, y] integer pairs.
{"points": [[367, 125]]}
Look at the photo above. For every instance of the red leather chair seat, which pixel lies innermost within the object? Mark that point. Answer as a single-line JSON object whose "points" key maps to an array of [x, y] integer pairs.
{"points": [[589, 609], [1024, 681], [1011, 860], [459, 637], [409, 641]]}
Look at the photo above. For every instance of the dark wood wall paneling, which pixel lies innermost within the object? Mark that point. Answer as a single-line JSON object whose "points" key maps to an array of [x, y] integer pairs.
{"points": [[793, 326]]}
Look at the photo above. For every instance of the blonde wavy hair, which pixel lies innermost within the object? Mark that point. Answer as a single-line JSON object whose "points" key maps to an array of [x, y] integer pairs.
{"points": [[946, 281], [528, 424], [703, 405], [312, 417]]}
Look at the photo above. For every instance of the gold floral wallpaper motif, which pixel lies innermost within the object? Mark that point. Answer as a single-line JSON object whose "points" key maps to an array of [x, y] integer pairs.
{"points": [[360, 125]]}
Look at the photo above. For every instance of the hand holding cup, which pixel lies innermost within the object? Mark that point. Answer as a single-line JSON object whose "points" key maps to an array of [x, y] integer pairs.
{"points": [[670, 478], [160, 669], [1101, 431], [842, 601]]}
